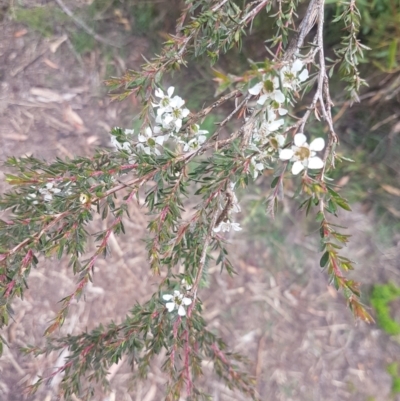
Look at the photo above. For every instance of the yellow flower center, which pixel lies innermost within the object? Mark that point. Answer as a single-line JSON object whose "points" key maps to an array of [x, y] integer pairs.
{"points": [[303, 153]]}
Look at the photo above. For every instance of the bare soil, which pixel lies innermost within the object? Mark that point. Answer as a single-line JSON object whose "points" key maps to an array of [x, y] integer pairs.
{"points": [[301, 340]]}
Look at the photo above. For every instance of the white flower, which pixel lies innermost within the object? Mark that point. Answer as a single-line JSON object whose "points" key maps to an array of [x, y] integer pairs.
{"points": [[148, 143], [290, 76], [84, 198], [173, 120], [195, 128], [303, 154], [235, 208], [261, 134], [186, 285], [121, 146], [226, 226], [177, 301], [256, 167], [194, 143], [178, 115], [165, 102], [49, 191], [272, 124], [276, 142], [269, 89], [281, 111], [32, 197], [170, 111]]}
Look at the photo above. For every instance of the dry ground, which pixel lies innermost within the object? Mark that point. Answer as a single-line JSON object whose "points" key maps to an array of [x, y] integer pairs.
{"points": [[302, 342]]}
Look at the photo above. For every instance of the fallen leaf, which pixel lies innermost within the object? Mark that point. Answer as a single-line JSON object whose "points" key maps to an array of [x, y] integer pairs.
{"points": [[45, 95], [104, 125], [50, 64], [20, 33], [91, 139], [391, 190], [64, 150], [15, 137], [55, 44], [394, 211], [73, 118]]}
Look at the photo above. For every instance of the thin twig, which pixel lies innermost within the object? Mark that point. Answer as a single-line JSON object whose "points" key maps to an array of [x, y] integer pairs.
{"points": [[87, 29], [203, 257], [229, 117], [304, 28]]}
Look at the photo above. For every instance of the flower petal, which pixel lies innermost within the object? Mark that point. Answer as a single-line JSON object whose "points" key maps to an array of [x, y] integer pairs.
{"points": [[303, 75], [273, 126], [167, 119], [315, 163], [159, 93], [317, 144], [279, 96], [170, 91], [167, 297], [300, 140], [286, 154], [185, 113], [297, 167], [170, 306], [297, 66], [262, 99], [177, 102], [256, 89], [201, 139], [178, 124], [218, 228], [142, 138], [181, 311], [159, 139], [236, 227], [186, 301], [280, 139], [226, 226]]}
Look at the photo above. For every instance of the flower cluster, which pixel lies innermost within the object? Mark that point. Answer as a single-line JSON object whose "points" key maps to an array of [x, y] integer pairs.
{"points": [[46, 193], [266, 139], [170, 112], [168, 125], [120, 143]]}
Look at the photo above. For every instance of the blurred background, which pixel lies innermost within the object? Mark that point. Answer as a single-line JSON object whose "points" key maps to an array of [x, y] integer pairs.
{"points": [[279, 310]]}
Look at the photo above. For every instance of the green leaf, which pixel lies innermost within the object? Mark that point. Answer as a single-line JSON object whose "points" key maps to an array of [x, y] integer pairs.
{"points": [[343, 204], [324, 260], [275, 182], [392, 53]]}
